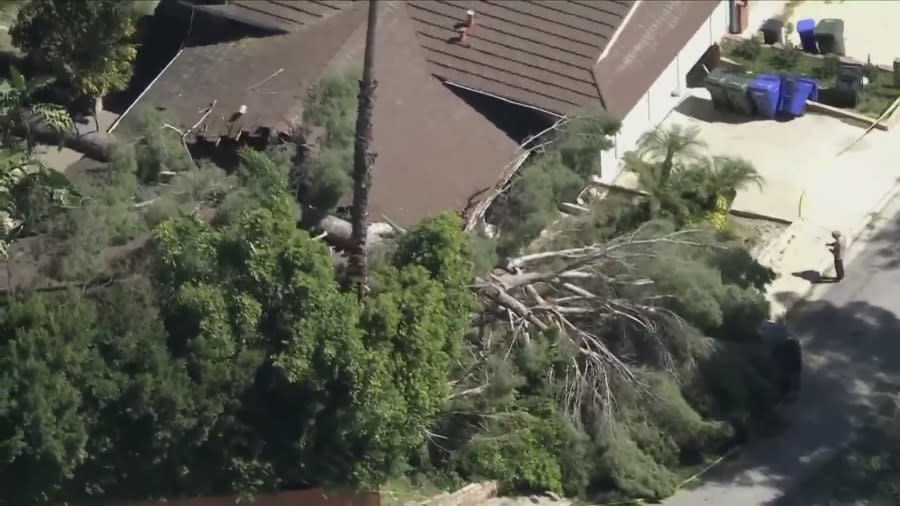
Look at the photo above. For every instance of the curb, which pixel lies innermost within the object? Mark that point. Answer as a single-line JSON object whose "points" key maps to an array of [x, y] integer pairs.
{"points": [[779, 243]]}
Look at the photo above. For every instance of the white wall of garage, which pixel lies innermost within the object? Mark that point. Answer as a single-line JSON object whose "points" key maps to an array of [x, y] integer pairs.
{"points": [[670, 88]]}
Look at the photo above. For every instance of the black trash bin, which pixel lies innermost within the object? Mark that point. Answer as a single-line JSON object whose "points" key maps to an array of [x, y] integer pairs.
{"points": [[773, 31], [830, 36], [847, 86], [737, 87], [715, 83]]}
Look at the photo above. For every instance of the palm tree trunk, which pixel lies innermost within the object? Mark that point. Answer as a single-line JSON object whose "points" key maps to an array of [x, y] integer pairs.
{"points": [[362, 161], [667, 166]]}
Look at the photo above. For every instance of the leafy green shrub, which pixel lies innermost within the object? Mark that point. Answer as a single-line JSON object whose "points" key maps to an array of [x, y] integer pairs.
{"points": [[522, 459], [631, 470], [786, 58], [531, 204], [749, 48], [154, 149], [323, 176], [551, 178]]}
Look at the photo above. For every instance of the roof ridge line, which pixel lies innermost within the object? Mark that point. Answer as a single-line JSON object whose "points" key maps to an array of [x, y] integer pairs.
{"points": [[619, 30], [609, 45]]}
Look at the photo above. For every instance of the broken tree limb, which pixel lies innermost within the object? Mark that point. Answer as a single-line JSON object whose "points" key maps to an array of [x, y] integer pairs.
{"points": [[100, 146], [339, 231], [514, 305], [93, 144]]}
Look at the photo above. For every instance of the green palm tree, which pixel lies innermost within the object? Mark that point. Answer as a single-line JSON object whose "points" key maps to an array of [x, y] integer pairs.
{"points": [[671, 148], [723, 176], [21, 175], [17, 106], [21, 178], [663, 198]]}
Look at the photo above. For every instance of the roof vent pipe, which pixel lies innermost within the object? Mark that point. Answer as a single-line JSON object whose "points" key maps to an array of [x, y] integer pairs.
{"points": [[470, 19], [462, 35]]}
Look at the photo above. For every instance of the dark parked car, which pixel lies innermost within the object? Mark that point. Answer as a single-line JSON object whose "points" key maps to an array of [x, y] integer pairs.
{"points": [[786, 354]]}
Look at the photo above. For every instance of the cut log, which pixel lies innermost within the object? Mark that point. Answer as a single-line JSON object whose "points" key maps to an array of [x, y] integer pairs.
{"points": [[338, 230]]}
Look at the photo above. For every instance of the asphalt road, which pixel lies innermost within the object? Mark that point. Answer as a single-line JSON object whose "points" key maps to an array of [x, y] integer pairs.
{"points": [[850, 333]]}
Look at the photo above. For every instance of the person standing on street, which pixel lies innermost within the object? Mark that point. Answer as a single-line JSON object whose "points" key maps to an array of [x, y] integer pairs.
{"points": [[837, 248]]}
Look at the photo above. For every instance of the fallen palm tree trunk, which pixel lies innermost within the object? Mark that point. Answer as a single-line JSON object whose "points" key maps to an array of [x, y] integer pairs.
{"points": [[96, 145]]}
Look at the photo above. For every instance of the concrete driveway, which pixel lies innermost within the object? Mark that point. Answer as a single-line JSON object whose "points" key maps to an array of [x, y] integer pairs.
{"points": [[787, 154], [870, 26]]}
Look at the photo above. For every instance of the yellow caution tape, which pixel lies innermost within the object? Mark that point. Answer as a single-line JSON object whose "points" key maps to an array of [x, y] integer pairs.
{"points": [[681, 485]]}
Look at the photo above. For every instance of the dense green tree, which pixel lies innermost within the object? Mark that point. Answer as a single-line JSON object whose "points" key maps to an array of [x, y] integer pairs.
{"points": [[89, 45], [373, 375], [92, 401]]}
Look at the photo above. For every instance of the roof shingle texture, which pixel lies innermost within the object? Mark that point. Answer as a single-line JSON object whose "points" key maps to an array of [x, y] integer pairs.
{"points": [[276, 15], [539, 53], [434, 152]]}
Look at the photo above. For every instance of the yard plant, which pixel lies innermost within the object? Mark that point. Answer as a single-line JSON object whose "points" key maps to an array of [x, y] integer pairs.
{"points": [[875, 97]]}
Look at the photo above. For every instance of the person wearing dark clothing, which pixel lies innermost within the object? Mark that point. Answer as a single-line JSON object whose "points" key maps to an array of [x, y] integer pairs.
{"points": [[837, 248]]}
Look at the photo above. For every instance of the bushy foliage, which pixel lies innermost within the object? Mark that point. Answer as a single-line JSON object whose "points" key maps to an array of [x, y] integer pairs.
{"points": [[322, 177], [89, 388], [551, 178], [683, 185], [89, 45], [150, 148], [704, 379], [236, 362]]}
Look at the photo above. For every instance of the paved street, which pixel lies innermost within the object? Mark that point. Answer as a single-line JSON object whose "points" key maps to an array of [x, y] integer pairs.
{"points": [[851, 337]]}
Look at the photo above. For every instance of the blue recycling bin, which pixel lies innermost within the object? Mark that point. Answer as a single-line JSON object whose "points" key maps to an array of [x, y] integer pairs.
{"points": [[806, 29], [765, 91], [795, 91]]}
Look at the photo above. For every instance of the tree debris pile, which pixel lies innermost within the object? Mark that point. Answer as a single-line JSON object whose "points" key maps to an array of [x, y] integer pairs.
{"points": [[603, 359]]}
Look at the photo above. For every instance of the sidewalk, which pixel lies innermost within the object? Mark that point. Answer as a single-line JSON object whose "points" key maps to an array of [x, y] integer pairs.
{"points": [[842, 195]]}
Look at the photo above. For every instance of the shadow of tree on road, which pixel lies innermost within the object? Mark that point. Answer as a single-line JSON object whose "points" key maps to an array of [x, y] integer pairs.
{"points": [[851, 358], [889, 247], [850, 334]]}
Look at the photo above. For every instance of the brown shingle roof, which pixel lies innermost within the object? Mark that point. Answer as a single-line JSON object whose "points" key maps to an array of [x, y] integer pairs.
{"points": [[656, 32], [546, 53], [540, 53], [434, 151], [277, 15], [270, 75]]}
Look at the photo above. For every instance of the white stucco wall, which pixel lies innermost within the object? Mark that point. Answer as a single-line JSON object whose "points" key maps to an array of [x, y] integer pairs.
{"points": [[665, 93]]}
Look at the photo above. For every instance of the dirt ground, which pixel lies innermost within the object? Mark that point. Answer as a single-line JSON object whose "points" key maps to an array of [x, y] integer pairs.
{"points": [[760, 232]]}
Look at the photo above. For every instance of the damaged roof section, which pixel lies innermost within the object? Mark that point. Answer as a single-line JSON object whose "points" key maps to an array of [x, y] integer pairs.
{"points": [[434, 152], [268, 76]]}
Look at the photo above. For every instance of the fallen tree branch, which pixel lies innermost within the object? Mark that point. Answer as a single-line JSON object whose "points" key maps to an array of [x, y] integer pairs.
{"points": [[96, 145]]}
